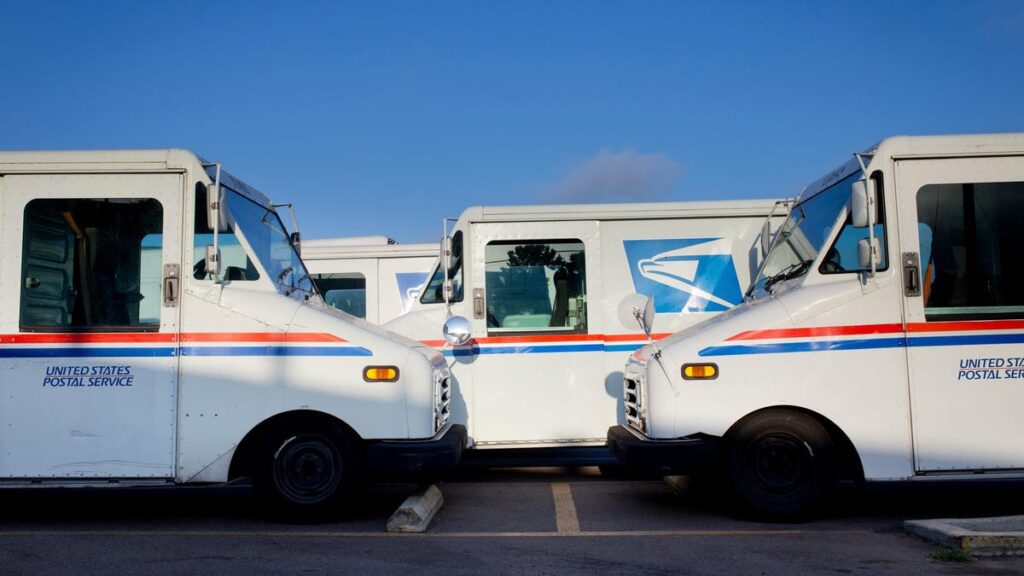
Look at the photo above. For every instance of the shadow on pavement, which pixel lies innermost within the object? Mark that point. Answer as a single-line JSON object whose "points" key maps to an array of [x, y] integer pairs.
{"points": [[223, 505]]}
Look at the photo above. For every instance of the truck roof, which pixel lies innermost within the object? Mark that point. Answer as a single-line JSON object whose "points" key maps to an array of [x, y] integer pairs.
{"points": [[631, 211], [904, 147], [952, 144], [99, 161], [350, 241], [340, 248], [94, 160]]}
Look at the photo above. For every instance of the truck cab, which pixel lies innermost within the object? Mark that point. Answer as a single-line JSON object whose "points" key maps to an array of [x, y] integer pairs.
{"points": [[534, 293], [882, 339], [158, 326]]}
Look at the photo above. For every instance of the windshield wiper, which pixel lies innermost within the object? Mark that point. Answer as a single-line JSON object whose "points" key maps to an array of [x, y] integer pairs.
{"points": [[791, 271]]}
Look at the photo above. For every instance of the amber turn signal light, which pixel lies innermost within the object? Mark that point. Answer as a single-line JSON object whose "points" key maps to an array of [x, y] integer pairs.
{"points": [[700, 371], [380, 373]]}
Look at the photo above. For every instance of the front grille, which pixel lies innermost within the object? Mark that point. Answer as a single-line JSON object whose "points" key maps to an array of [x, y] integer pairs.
{"points": [[633, 397], [442, 400]]}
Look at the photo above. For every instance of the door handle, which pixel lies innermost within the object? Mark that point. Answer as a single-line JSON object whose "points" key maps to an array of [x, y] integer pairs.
{"points": [[31, 282], [911, 274], [172, 283], [478, 302]]}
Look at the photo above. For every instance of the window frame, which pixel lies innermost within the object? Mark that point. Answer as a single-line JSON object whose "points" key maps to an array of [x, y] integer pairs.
{"points": [[199, 249], [582, 328], [966, 313], [316, 277], [879, 180], [88, 329], [458, 236]]}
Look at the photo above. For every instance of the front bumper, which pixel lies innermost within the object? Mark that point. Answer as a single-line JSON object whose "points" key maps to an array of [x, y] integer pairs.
{"points": [[410, 458], [679, 456]]}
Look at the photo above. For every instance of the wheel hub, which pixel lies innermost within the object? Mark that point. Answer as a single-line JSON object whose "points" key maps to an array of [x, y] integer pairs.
{"points": [[308, 469], [779, 464]]}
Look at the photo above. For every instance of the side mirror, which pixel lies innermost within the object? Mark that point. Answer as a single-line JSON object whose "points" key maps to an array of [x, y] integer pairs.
{"points": [[216, 215], [862, 203], [766, 238], [637, 311], [457, 330], [296, 238], [868, 252], [213, 262]]}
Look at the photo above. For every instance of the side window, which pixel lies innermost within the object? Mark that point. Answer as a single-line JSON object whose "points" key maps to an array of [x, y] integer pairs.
{"points": [[536, 286], [91, 264], [235, 263], [433, 293], [346, 292], [842, 255], [971, 251]]}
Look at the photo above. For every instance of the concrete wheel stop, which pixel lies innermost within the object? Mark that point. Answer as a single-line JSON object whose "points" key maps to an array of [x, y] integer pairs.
{"points": [[415, 514], [1001, 536]]}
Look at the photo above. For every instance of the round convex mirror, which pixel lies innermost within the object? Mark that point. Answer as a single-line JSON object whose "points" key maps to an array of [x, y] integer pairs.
{"points": [[457, 330]]}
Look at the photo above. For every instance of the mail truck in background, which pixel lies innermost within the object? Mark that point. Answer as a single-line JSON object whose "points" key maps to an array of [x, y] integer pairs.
{"points": [[157, 326], [369, 277], [882, 340], [530, 295]]}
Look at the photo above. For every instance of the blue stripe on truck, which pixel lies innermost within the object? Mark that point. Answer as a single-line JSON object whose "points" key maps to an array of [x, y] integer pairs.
{"points": [[167, 352]]}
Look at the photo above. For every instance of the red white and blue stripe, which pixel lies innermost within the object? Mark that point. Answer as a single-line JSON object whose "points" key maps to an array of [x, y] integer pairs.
{"points": [[869, 336], [545, 344], [161, 344]]}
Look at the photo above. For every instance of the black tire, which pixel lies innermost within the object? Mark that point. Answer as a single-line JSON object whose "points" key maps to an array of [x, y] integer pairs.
{"points": [[780, 465], [307, 471]]}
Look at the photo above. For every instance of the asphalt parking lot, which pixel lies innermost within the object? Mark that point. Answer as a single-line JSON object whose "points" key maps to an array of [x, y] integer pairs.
{"points": [[537, 521]]}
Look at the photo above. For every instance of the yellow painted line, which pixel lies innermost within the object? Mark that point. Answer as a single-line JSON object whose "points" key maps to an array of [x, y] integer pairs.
{"points": [[566, 519], [340, 534]]}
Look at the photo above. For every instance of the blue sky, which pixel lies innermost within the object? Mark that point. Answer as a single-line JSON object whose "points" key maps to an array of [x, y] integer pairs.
{"points": [[383, 117]]}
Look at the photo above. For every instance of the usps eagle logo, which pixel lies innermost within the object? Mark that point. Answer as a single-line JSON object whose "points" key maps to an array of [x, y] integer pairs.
{"points": [[410, 286], [684, 275]]}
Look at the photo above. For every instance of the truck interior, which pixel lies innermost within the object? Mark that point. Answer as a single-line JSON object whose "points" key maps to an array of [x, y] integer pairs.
{"points": [[91, 264], [535, 286]]}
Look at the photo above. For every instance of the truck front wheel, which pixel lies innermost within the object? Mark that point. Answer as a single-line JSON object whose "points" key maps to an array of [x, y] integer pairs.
{"points": [[780, 464], [305, 472]]}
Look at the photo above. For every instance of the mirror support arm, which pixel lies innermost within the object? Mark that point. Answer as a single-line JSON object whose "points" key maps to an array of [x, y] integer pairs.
{"points": [[216, 227], [295, 237], [445, 264], [871, 214], [213, 207], [447, 287]]}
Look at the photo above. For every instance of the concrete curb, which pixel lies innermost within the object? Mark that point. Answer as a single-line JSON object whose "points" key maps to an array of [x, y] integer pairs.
{"points": [[1001, 536], [415, 514]]}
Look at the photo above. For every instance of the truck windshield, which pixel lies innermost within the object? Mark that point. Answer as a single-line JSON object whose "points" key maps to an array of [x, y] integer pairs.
{"points": [[267, 237], [802, 236]]}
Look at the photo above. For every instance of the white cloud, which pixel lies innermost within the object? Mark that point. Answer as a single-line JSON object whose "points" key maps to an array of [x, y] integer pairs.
{"points": [[617, 177]]}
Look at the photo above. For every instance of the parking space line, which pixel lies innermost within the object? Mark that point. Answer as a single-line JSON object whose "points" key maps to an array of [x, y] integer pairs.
{"points": [[340, 534], [566, 519]]}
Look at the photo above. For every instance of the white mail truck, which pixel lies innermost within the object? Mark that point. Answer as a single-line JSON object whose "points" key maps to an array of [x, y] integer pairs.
{"points": [[157, 326], [529, 296], [372, 278], [882, 340]]}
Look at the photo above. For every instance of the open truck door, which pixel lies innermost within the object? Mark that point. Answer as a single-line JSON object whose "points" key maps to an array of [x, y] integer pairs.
{"points": [[961, 263], [90, 376]]}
